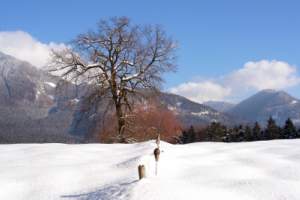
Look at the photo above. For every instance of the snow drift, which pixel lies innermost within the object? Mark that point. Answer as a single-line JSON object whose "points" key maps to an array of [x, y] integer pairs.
{"points": [[256, 170]]}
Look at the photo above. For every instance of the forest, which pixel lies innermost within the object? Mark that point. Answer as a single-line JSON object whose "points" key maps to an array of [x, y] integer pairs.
{"points": [[240, 133]]}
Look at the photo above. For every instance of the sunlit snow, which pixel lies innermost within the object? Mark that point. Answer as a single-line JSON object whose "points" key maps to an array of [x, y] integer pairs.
{"points": [[267, 170], [51, 84]]}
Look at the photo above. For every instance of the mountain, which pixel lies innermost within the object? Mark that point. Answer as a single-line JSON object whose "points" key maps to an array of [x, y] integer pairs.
{"points": [[32, 109], [36, 106], [220, 106], [192, 113], [259, 107]]}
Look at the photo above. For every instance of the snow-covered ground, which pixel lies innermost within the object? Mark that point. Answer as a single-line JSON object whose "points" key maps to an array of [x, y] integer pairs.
{"points": [[237, 171]]}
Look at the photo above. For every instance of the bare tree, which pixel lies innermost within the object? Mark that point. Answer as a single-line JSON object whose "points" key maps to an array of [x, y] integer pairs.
{"points": [[118, 59]]}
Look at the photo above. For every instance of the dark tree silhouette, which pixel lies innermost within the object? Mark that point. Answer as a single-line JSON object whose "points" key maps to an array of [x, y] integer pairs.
{"points": [[289, 130], [256, 131], [248, 133], [272, 131]]}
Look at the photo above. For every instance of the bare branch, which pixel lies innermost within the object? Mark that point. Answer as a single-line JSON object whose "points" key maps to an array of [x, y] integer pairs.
{"points": [[118, 59]]}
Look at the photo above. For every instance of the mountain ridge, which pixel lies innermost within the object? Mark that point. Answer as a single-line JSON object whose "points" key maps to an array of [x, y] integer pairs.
{"points": [[268, 103], [34, 105], [221, 106]]}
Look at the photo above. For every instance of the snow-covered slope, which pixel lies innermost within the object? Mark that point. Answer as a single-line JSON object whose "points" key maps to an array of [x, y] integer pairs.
{"points": [[258, 170]]}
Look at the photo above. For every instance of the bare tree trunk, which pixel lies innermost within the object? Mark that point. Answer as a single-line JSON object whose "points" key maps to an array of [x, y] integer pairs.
{"points": [[121, 123]]}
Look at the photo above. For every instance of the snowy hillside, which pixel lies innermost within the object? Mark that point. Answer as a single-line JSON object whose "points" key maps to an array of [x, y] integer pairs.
{"points": [[30, 102], [256, 170], [191, 113]]}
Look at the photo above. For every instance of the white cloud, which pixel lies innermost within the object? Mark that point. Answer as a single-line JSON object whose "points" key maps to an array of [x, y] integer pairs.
{"points": [[264, 74], [24, 47], [252, 77], [202, 91]]}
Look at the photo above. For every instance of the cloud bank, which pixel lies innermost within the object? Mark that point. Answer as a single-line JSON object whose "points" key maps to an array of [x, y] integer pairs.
{"points": [[201, 91], [253, 76], [24, 47], [265, 74]]}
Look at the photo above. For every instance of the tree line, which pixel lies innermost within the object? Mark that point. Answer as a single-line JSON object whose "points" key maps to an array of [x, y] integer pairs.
{"points": [[241, 133]]}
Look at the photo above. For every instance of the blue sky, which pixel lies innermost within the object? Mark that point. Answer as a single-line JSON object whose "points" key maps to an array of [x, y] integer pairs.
{"points": [[216, 38]]}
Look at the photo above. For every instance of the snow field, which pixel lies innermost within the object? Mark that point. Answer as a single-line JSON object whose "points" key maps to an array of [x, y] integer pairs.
{"points": [[210, 171]]}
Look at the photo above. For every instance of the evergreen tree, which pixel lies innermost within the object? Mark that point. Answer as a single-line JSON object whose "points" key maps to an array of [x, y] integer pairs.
{"points": [[184, 137], [216, 131], [228, 137], [248, 134], [289, 130], [192, 134], [188, 136], [272, 131], [235, 134], [256, 131], [241, 134]]}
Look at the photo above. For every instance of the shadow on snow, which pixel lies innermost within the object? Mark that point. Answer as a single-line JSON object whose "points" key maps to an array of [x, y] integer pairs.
{"points": [[111, 192]]}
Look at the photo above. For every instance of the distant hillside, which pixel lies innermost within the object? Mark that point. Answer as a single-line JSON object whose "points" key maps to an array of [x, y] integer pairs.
{"points": [[259, 107], [220, 106], [192, 113]]}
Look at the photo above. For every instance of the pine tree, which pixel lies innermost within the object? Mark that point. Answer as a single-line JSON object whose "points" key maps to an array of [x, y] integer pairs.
{"points": [[216, 131], [241, 134], [256, 131], [188, 136], [248, 134], [184, 137], [235, 134], [191, 134], [289, 130], [272, 131]]}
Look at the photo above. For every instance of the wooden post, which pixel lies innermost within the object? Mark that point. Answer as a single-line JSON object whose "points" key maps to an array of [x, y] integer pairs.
{"points": [[142, 171], [156, 154]]}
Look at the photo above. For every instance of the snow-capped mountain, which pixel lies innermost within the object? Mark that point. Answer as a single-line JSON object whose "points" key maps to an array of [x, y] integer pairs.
{"points": [[259, 107], [31, 107], [34, 108], [220, 106], [22, 83]]}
